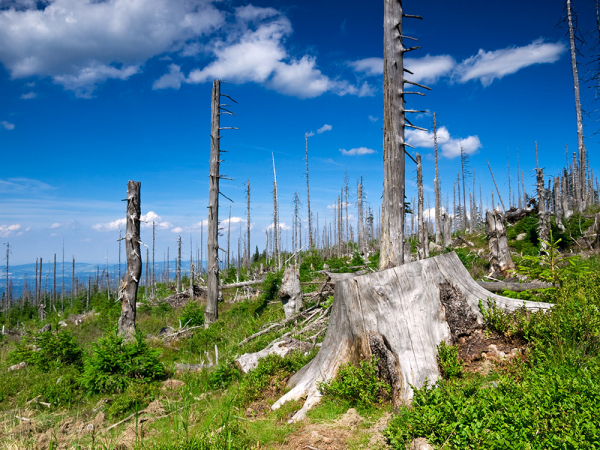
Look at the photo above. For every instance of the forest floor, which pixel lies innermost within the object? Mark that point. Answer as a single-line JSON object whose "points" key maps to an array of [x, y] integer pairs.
{"points": [[501, 377]]}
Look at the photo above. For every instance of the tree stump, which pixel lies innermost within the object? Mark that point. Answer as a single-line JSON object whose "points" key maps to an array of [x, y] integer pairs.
{"points": [[290, 292], [501, 261], [400, 315]]}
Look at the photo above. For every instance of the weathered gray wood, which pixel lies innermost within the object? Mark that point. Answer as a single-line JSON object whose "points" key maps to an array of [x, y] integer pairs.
{"points": [[241, 284], [499, 286], [126, 324], [290, 292], [436, 186], [581, 146], [276, 243], [423, 251], [211, 313], [310, 233], [392, 212], [405, 306], [361, 224], [447, 223], [248, 226], [543, 215], [500, 260], [497, 190], [282, 347]]}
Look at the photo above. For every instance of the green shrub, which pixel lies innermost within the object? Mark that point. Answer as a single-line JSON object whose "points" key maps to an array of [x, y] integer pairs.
{"points": [[271, 285], [374, 261], [359, 386], [271, 373], [192, 315], [450, 365], [357, 259], [505, 322], [48, 350], [222, 375], [59, 387], [115, 364], [310, 264]]}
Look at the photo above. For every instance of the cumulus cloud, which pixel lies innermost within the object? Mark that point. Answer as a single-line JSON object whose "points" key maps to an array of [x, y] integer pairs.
{"points": [[282, 226], [146, 222], [29, 96], [324, 128], [10, 230], [429, 69], [254, 51], [55, 225], [7, 125], [373, 119], [368, 66], [344, 205], [488, 66], [81, 43], [357, 151], [173, 79], [450, 145]]}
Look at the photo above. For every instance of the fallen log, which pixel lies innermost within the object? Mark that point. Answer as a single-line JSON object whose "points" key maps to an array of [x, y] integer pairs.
{"points": [[281, 347], [400, 315], [500, 286], [241, 284]]}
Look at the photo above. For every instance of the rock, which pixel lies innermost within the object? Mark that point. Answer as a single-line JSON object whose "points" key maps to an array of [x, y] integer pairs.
{"points": [[172, 384], [493, 352], [420, 444], [62, 323], [290, 292], [433, 247], [19, 366], [183, 367], [45, 328], [350, 420], [521, 236], [283, 347]]}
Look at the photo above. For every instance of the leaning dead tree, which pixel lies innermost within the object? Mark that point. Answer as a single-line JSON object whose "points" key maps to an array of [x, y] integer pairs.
{"points": [[211, 313], [394, 93], [126, 324]]}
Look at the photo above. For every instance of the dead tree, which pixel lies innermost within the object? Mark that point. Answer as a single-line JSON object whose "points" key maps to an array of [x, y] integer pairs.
{"points": [[361, 224], [543, 215], [276, 243], [178, 274], [464, 161], [500, 259], [310, 235], [153, 246], [581, 200], [436, 187], [497, 190], [248, 254], [423, 236], [126, 324]]}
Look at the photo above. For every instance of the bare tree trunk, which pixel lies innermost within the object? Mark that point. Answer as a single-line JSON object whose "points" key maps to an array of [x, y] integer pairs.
{"points": [[248, 251], [423, 236], [361, 224], [211, 312], [229, 240], [310, 236], [581, 201], [436, 187], [153, 267], [497, 190], [178, 272], [345, 203], [501, 260], [544, 217], [392, 223], [447, 221], [276, 256], [126, 325]]}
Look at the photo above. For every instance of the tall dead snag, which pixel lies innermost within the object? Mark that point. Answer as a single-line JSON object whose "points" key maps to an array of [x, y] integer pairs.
{"points": [[426, 302], [211, 313], [248, 254], [423, 235], [361, 224], [447, 224], [581, 200], [126, 325], [501, 260], [436, 187], [178, 273], [543, 215], [276, 243], [310, 233]]}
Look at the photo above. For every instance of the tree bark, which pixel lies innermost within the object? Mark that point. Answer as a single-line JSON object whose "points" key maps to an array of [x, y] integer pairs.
{"points": [[392, 220], [501, 260], [126, 324], [436, 187], [290, 292], [400, 315], [211, 313], [310, 234], [423, 235]]}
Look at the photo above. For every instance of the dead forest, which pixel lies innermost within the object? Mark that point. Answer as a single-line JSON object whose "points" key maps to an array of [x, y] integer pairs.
{"points": [[241, 347]]}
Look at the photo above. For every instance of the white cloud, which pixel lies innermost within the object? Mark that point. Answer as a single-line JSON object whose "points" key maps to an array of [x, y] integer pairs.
{"points": [[7, 125], [9, 230], [177, 230], [344, 204], [29, 95], [368, 66], [146, 222], [324, 128], [282, 226], [310, 133], [373, 119], [55, 225], [450, 146], [173, 79], [80, 43], [254, 51], [357, 151], [429, 69], [488, 66]]}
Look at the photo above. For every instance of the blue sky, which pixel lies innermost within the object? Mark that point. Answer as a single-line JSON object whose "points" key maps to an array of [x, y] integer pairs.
{"points": [[95, 93]]}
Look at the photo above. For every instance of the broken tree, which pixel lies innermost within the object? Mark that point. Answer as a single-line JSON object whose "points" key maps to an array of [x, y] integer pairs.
{"points": [[426, 302], [500, 260], [126, 325]]}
